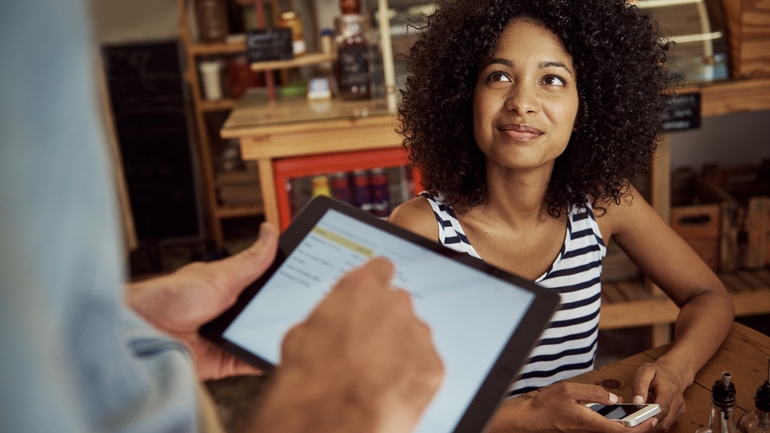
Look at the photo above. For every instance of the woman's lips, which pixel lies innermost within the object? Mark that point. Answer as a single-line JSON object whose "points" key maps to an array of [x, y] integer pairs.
{"points": [[520, 132]]}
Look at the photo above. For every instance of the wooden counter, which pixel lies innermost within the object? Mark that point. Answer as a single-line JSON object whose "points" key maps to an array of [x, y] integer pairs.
{"points": [[289, 128], [744, 354]]}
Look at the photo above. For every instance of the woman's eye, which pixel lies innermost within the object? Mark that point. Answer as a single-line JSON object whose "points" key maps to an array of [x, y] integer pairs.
{"points": [[553, 80], [498, 76]]}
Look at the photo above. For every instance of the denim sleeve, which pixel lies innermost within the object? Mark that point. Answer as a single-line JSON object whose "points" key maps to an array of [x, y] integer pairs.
{"points": [[72, 357]]}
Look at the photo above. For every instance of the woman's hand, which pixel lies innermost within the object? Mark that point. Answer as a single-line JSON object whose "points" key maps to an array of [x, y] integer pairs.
{"points": [[667, 387], [561, 408]]}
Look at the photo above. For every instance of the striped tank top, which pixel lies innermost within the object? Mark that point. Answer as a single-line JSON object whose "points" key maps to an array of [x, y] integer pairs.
{"points": [[568, 345]]}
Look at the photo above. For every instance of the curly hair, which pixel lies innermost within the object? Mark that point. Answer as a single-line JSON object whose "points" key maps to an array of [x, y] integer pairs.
{"points": [[623, 87]]}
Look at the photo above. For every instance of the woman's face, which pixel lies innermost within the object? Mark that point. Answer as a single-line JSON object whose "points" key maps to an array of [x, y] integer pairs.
{"points": [[525, 101]]}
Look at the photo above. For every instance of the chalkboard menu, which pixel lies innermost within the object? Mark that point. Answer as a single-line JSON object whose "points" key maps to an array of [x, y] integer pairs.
{"points": [[684, 113], [269, 44], [146, 89]]}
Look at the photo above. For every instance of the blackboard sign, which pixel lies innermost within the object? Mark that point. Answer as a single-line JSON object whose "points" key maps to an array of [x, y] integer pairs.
{"points": [[684, 113], [146, 88], [269, 44]]}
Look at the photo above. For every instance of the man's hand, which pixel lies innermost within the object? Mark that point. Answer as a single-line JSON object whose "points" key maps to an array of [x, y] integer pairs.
{"points": [[179, 303], [362, 361]]}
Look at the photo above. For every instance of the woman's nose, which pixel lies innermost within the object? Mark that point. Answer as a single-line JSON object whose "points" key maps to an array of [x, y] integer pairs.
{"points": [[521, 99]]}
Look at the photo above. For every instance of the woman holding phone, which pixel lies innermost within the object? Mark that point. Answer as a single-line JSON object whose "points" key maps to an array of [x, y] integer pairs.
{"points": [[528, 119]]}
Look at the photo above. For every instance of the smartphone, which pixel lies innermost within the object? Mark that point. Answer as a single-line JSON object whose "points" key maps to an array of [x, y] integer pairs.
{"points": [[628, 413]]}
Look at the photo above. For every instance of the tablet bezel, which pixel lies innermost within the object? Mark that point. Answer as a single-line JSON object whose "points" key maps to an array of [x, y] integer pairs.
{"points": [[504, 370]]}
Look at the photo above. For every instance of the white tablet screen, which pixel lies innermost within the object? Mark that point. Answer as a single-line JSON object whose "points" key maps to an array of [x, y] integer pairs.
{"points": [[472, 315]]}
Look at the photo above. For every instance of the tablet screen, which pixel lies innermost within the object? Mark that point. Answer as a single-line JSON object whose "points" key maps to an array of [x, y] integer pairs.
{"points": [[472, 314]]}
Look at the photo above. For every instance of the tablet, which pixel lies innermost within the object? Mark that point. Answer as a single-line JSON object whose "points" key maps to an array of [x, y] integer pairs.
{"points": [[484, 321]]}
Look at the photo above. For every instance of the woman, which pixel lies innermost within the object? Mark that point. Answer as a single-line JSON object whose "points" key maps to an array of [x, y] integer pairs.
{"points": [[527, 119]]}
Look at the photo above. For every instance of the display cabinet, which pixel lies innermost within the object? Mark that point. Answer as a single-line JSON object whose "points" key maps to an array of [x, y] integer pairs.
{"points": [[374, 180]]}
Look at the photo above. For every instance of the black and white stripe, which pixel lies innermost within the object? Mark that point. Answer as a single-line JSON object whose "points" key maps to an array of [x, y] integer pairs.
{"points": [[568, 346]]}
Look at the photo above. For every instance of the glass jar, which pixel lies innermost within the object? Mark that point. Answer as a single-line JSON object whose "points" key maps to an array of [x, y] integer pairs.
{"points": [[291, 20], [350, 7], [211, 17]]}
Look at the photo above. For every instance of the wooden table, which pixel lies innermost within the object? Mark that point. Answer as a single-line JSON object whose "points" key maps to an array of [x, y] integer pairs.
{"points": [[744, 353]]}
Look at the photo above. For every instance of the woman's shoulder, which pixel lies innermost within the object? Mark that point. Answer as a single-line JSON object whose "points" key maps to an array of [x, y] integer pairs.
{"points": [[416, 215], [613, 216]]}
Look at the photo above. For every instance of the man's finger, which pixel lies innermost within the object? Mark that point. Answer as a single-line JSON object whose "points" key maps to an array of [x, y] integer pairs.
{"points": [[246, 266]]}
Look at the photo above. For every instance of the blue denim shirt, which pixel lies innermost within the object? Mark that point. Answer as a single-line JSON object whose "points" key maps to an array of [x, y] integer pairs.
{"points": [[72, 357]]}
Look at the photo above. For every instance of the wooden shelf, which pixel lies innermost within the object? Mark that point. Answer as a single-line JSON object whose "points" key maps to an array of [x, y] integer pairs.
{"points": [[628, 304], [725, 97], [303, 60], [206, 49], [239, 211], [220, 105], [196, 51], [634, 303]]}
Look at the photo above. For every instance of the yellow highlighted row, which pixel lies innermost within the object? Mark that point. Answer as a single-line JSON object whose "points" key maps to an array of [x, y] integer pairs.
{"points": [[345, 242]]}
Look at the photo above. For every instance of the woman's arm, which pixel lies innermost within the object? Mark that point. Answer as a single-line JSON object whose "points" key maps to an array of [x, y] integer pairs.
{"points": [[706, 308]]}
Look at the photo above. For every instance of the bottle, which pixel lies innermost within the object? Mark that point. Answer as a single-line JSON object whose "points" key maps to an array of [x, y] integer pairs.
{"points": [[758, 421], [327, 45], [362, 194], [352, 65], [721, 419], [291, 20], [380, 194], [321, 186], [340, 186]]}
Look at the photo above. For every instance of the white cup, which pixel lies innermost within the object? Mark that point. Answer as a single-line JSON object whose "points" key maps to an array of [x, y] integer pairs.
{"points": [[212, 83]]}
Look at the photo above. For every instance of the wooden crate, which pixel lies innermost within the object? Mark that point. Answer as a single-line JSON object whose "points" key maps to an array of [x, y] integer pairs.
{"points": [[699, 226], [749, 187], [707, 218], [748, 33], [757, 224]]}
